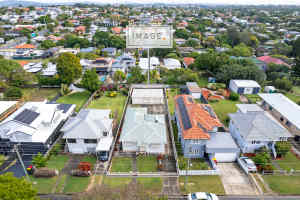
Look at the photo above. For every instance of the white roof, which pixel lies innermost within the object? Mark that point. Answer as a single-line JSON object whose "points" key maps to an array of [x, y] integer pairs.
{"points": [[147, 93], [5, 105], [143, 63], [246, 83], [50, 70], [33, 67], [287, 108], [172, 63], [244, 108], [40, 129], [104, 144]]}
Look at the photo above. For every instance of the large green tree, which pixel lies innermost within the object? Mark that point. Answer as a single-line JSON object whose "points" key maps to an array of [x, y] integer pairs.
{"points": [[12, 188], [90, 80], [119, 76], [68, 67], [211, 61]]}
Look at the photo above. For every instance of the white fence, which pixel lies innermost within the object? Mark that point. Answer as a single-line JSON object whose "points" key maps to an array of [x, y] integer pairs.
{"points": [[198, 172]]}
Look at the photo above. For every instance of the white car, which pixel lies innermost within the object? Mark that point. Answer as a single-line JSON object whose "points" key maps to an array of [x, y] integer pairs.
{"points": [[249, 164], [202, 196]]}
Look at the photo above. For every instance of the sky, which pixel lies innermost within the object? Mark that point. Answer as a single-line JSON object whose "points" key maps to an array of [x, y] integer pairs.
{"points": [[234, 2]]}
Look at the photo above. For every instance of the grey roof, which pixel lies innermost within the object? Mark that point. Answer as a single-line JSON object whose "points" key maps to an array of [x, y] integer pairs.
{"points": [[259, 126], [143, 128], [88, 124], [249, 108], [287, 108], [221, 143]]}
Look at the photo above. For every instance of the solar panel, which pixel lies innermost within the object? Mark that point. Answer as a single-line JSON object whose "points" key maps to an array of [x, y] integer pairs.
{"points": [[210, 111], [26, 116], [64, 107], [200, 126], [184, 114]]}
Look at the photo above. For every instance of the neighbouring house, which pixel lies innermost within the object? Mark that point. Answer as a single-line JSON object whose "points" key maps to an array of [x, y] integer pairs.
{"points": [[35, 126], [244, 86], [80, 29], [110, 51], [103, 66], [147, 96], [143, 132], [144, 64], [25, 47], [253, 130], [84, 132], [244, 108], [194, 90], [187, 61], [200, 132], [171, 63], [269, 59], [283, 109], [123, 63]]}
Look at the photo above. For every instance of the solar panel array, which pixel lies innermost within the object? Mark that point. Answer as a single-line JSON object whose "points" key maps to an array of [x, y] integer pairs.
{"points": [[27, 116], [200, 126], [184, 114], [210, 111]]}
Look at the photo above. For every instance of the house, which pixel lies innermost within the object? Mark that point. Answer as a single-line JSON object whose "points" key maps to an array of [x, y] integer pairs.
{"points": [[144, 64], [143, 132], [84, 132], [110, 51], [194, 90], [25, 47], [253, 130], [147, 96], [244, 86], [35, 126], [171, 63], [187, 61], [283, 109], [269, 59], [80, 29], [244, 108], [199, 131], [102, 65]]}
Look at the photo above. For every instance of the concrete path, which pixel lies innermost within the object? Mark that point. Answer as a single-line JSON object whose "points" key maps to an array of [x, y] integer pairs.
{"points": [[235, 181]]}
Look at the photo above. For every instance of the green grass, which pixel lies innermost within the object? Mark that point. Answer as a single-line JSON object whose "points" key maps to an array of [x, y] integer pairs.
{"points": [[61, 184], [90, 158], [284, 184], [171, 101], [78, 98], [211, 184], [151, 185], [196, 164], [202, 81], [76, 184], [223, 107], [43, 185], [121, 164], [253, 98], [116, 103], [293, 97], [146, 164], [2, 159], [290, 161], [296, 90], [38, 94], [57, 162], [116, 182]]}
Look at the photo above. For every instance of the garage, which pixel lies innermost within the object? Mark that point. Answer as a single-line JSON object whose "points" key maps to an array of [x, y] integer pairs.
{"points": [[222, 147]]}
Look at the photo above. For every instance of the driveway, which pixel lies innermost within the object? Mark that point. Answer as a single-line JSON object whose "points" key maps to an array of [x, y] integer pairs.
{"points": [[235, 181]]}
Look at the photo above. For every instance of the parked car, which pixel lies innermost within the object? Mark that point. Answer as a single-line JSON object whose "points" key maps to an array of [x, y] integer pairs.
{"points": [[202, 196], [247, 164]]}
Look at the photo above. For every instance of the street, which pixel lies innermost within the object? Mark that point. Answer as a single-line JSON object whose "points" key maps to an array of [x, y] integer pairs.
{"points": [[238, 197]]}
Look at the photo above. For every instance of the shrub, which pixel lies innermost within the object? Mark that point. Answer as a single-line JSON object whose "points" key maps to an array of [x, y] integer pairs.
{"points": [[111, 94], [234, 96], [262, 158], [282, 148], [39, 161], [64, 90], [283, 84], [13, 92]]}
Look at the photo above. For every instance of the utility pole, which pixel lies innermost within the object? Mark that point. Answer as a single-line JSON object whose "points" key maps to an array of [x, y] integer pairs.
{"points": [[148, 65], [21, 161]]}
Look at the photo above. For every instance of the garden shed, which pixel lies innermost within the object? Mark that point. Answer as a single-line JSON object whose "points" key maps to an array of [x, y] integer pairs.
{"points": [[147, 96], [244, 86]]}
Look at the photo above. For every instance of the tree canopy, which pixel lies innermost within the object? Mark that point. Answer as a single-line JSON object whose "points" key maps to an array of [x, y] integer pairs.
{"points": [[90, 80], [68, 67]]}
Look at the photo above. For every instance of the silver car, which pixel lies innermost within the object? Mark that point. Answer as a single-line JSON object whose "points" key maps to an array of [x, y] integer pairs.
{"points": [[202, 196], [249, 164]]}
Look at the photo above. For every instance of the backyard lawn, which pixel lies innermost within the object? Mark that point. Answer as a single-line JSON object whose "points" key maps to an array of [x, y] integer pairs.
{"points": [[284, 184], [116, 103], [171, 102], [76, 184], [211, 184], [146, 164], [39, 94], [121, 164], [290, 161], [78, 98], [293, 97], [223, 107]]}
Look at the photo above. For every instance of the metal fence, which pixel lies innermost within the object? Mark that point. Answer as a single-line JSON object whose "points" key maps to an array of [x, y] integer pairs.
{"points": [[199, 172], [282, 172]]}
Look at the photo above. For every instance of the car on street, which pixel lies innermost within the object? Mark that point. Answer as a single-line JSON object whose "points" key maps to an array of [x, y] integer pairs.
{"points": [[202, 196]]}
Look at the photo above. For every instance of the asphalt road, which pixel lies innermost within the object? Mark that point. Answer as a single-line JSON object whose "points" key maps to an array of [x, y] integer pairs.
{"points": [[259, 198]]}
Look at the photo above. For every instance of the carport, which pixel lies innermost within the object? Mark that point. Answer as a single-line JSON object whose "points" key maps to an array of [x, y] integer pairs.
{"points": [[222, 147]]}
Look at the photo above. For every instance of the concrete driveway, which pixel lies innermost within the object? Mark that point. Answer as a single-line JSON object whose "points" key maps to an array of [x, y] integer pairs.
{"points": [[235, 181]]}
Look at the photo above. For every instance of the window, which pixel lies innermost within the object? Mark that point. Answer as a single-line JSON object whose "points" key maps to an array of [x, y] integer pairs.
{"points": [[270, 108], [255, 142], [71, 140], [105, 133], [281, 119], [90, 141]]}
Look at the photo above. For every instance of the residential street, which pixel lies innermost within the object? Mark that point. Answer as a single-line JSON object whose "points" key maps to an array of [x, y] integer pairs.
{"points": [[259, 197]]}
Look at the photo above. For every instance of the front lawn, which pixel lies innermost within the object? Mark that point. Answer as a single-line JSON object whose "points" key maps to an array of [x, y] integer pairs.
{"points": [[195, 164], [116, 103], [76, 184], [146, 164], [121, 164], [171, 93], [39, 94], [223, 107], [43, 185], [284, 184], [78, 98], [116, 182], [290, 161], [57, 162], [151, 185], [211, 184]]}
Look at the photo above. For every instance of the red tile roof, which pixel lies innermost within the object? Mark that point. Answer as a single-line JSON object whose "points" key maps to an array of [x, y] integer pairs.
{"points": [[25, 46], [188, 61], [116, 30], [269, 59], [202, 122]]}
